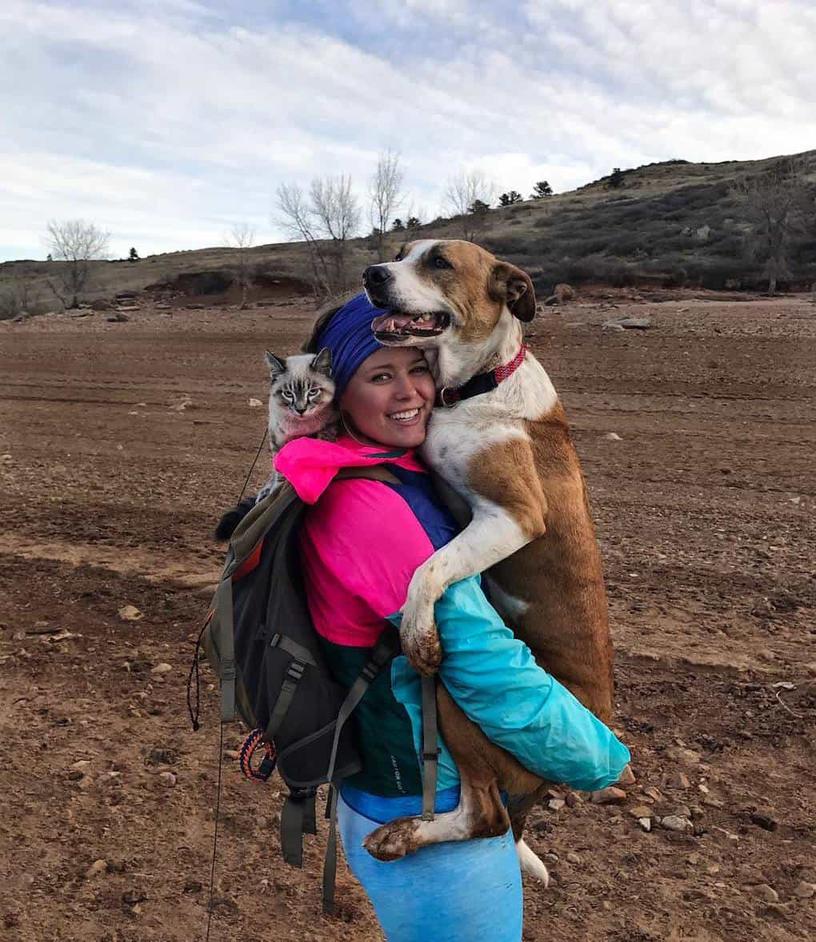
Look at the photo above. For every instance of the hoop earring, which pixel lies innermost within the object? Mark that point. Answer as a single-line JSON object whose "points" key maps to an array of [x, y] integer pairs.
{"points": [[349, 431]]}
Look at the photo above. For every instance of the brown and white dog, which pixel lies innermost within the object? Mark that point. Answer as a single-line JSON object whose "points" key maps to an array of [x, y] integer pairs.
{"points": [[509, 455]]}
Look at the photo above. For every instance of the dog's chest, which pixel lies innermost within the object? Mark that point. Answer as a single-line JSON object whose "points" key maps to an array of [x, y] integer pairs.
{"points": [[457, 436]]}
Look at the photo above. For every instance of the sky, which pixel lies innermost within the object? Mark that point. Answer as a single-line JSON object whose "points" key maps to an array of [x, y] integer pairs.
{"points": [[167, 122]]}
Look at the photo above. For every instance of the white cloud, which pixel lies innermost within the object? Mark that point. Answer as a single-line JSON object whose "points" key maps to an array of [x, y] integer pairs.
{"points": [[174, 119]]}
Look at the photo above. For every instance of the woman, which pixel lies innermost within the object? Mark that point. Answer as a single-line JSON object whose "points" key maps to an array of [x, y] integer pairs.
{"points": [[361, 542]]}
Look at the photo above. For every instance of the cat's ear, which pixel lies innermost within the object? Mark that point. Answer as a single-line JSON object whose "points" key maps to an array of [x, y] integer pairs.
{"points": [[275, 364], [322, 363]]}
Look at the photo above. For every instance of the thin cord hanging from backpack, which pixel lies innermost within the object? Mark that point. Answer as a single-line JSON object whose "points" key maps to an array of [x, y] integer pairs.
{"points": [[252, 466], [215, 832]]}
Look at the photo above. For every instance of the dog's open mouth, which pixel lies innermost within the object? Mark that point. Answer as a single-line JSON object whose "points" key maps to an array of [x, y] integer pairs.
{"points": [[393, 326]]}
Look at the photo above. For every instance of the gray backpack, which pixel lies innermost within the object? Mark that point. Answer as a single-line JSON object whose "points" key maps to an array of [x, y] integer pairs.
{"points": [[260, 640]]}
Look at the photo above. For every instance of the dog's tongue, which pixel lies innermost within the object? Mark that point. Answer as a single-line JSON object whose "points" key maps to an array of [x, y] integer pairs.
{"points": [[389, 323]]}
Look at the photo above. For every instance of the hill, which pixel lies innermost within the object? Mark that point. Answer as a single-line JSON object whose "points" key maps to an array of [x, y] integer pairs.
{"points": [[670, 224]]}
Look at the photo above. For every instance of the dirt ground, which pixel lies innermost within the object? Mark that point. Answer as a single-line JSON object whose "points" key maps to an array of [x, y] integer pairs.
{"points": [[120, 443]]}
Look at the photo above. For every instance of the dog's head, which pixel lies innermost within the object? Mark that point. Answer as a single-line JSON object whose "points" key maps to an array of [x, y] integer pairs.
{"points": [[438, 290]]}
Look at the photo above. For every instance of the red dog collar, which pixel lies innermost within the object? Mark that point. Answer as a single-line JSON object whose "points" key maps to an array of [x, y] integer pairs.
{"points": [[480, 383]]}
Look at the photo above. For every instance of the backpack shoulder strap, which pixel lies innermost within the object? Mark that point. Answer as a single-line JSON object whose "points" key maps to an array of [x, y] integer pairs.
{"points": [[374, 472]]}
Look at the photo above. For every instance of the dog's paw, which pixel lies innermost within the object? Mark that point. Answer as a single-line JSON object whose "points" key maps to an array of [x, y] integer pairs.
{"points": [[422, 647], [393, 840]]}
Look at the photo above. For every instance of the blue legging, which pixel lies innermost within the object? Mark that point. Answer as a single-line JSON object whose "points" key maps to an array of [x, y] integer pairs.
{"points": [[453, 892]]}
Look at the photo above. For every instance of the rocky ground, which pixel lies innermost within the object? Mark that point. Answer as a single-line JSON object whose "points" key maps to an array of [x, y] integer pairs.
{"points": [[120, 443]]}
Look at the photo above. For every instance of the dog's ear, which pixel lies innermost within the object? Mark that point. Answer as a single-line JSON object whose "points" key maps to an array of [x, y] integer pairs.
{"points": [[275, 364], [515, 288], [322, 363]]}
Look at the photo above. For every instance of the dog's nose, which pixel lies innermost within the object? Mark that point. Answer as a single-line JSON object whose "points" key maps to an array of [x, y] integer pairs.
{"points": [[375, 276]]}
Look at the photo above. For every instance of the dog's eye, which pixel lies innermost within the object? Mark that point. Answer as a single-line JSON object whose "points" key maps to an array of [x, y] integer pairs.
{"points": [[399, 257], [441, 262]]}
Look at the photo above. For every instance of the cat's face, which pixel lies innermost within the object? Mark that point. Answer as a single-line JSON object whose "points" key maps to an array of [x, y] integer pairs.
{"points": [[301, 384]]}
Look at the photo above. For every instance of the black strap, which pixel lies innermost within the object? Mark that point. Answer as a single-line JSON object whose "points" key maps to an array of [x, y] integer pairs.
{"points": [[330, 860], [430, 748], [475, 386], [294, 672], [297, 651], [385, 648], [226, 644], [297, 817]]}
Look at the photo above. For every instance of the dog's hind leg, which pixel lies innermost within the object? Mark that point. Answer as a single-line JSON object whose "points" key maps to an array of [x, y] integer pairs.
{"points": [[484, 769]]}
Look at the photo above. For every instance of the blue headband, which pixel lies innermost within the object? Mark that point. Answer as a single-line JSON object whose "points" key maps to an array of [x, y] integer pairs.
{"points": [[350, 338]]}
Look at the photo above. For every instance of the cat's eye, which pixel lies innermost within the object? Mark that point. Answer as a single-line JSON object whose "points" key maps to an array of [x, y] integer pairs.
{"points": [[288, 395], [313, 395]]}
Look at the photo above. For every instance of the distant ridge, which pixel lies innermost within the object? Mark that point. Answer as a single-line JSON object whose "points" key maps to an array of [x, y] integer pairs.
{"points": [[671, 223]]}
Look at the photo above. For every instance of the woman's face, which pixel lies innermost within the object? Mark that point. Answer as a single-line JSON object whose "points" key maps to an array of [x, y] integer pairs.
{"points": [[390, 397]]}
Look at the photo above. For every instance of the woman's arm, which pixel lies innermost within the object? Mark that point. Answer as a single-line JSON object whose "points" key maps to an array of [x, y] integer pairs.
{"points": [[361, 545]]}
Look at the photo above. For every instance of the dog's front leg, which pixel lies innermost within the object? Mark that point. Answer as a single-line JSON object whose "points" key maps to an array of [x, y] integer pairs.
{"points": [[494, 534]]}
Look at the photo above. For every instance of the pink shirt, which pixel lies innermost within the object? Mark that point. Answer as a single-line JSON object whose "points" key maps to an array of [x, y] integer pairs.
{"points": [[360, 541]]}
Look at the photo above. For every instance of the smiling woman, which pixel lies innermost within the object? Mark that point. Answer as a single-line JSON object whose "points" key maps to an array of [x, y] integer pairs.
{"points": [[361, 541], [389, 398]]}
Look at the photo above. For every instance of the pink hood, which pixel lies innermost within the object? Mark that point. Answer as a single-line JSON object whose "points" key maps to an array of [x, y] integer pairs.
{"points": [[310, 464]]}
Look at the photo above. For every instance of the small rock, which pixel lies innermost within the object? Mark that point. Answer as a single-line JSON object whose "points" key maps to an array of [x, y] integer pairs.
{"points": [[556, 804], [764, 821], [678, 780], [234, 754], [573, 799], [654, 793], [764, 892], [255, 403], [163, 668], [129, 613], [675, 822], [712, 802], [627, 777], [645, 823], [608, 796], [804, 890], [575, 859], [683, 756], [97, 867], [168, 779], [629, 323], [641, 811], [612, 437], [133, 897], [683, 810]]}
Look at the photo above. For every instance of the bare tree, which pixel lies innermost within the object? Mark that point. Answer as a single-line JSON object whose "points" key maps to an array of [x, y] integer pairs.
{"points": [[468, 191], [325, 220], [75, 242], [386, 196], [242, 237], [14, 298], [776, 203]]}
